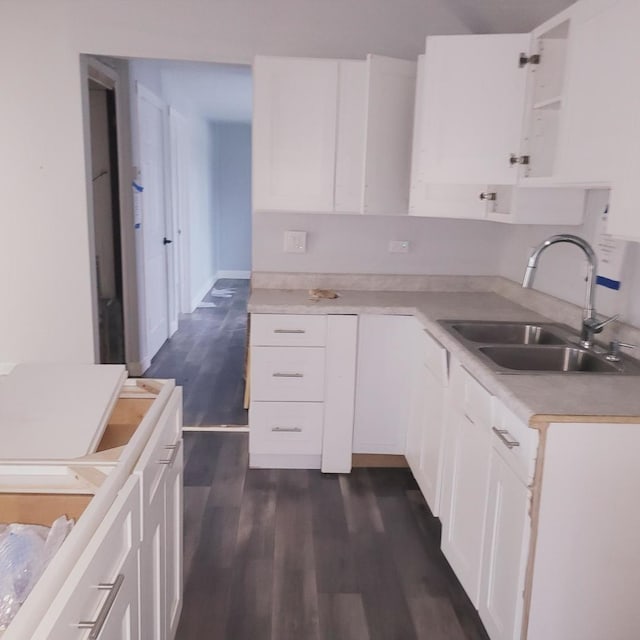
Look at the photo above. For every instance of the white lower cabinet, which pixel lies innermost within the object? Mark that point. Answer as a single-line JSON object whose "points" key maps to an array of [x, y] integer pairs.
{"points": [[424, 448], [100, 596], [161, 471], [383, 385], [506, 546], [464, 498]]}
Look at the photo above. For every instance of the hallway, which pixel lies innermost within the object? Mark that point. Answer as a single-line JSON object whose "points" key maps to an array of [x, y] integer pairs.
{"points": [[206, 357]]}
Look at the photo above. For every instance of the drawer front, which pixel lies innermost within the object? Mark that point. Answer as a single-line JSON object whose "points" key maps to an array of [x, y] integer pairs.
{"points": [[110, 559], [280, 330], [472, 399], [434, 356], [516, 442], [161, 450], [286, 427], [287, 373]]}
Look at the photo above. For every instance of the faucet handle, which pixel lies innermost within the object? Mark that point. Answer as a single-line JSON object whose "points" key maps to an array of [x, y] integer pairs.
{"points": [[613, 354], [597, 326]]}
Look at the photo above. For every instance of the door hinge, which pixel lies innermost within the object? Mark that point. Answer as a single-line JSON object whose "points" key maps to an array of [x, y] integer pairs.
{"points": [[514, 159], [525, 59]]}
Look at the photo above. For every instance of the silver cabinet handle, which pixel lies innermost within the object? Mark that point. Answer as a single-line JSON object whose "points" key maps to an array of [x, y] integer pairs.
{"points": [[97, 624], [502, 434], [289, 331], [174, 448], [287, 429], [288, 375]]}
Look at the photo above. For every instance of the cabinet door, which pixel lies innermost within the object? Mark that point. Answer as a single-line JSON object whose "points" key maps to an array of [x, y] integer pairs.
{"points": [[153, 613], [173, 542], [294, 133], [417, 409], [352, 100], [382, 384], [601, 95], [473, 106], [110, 559], [389, 133], [505, 553], [431, 453], [464, 498]]}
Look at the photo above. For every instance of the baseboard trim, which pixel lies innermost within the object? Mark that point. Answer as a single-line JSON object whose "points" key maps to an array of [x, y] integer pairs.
{"points": [[227, 428], [378, 460], [236, 275], [202, 292], [136, 369], [284, 461]]}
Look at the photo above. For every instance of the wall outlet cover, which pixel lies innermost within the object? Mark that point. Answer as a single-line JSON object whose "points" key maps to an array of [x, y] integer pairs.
{"points": [[399, 246]]}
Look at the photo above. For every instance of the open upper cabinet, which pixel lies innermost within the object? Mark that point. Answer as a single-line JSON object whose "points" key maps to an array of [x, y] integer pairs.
{"points": [[332, 136]]}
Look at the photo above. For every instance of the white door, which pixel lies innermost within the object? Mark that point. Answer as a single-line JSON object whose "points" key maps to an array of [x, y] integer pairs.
{"points": [[151, 133], [505, 553], [472, 108], [180, 203]]}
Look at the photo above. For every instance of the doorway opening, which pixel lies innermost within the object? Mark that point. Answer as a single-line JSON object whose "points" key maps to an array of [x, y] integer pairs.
{"points": [[105, 189], [187, 229]]}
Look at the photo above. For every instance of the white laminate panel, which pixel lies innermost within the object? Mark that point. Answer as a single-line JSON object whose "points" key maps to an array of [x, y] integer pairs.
{"points": [[56, 411]]}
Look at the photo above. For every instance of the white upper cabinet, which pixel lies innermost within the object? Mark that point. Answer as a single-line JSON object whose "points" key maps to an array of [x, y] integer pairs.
{"points": [[600, 96], [332, 136], [472, 105], [294, 133], [387, 163], [486, 123]]}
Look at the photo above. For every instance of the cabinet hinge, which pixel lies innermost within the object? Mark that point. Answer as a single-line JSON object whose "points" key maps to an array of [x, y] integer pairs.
{"points": [[514, 159], [525, 59], [488, 195]]}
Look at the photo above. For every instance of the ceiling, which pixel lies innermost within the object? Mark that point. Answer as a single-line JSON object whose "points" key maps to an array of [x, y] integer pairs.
{"points": [[505, 16], [223, 92]]}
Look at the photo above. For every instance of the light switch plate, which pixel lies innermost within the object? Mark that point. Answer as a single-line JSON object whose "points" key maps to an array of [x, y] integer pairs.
{"points": [[295, 241]]}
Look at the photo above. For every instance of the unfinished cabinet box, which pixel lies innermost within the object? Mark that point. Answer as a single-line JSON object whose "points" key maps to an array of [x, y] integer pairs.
{"points": [[134, 462]]}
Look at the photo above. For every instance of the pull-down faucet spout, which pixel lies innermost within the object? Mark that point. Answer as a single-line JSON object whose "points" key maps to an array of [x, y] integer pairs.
{"points": [[590, 324]]}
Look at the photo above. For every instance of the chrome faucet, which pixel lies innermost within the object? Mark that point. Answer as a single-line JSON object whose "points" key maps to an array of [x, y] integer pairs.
{"points": [[590, 324]]}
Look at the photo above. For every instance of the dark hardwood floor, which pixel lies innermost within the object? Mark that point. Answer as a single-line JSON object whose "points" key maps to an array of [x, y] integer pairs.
{"points": [[298, 555], [206, 357]]}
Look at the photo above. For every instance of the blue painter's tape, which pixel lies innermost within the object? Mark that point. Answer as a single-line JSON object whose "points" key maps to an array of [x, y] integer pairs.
{"points": [[606, 282], [137, 225], [138, 187]]}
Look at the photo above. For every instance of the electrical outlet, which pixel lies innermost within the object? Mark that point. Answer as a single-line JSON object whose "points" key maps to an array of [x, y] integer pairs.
{"points": [[399, 246], [295, 241]]}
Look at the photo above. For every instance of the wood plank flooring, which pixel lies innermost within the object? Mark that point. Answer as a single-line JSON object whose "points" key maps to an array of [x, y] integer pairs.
{"points": [[206, 357], [298, 555]]}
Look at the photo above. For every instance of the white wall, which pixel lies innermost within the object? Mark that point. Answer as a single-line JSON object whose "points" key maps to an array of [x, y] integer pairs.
{"points": [[359, 244], [233, 196], [562, 268], [202, 225]]}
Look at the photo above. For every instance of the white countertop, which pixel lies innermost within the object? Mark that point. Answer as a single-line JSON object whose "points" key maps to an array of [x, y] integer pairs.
{"points": [[536, 399]]}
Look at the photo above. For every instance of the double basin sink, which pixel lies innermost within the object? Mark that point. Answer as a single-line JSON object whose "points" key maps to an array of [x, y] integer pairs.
{"points": [[524, 347]]}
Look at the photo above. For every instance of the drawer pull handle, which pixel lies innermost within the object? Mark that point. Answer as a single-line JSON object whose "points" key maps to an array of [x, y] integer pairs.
{"points": [[287, 429], [502, 434], [288, 375], [174, 448], [289, 331], [97, 624]]}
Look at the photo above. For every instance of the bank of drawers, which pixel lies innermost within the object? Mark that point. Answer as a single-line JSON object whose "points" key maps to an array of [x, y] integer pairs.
{"points": [[287, 384]]}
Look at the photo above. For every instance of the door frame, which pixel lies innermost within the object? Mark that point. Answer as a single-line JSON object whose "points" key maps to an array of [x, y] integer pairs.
{"points": [[110, 78]]}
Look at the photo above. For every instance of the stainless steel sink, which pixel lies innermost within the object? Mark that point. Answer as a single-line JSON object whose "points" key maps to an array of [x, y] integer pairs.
{"points": [[508, 333], [534, 348], [550, 359]]}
